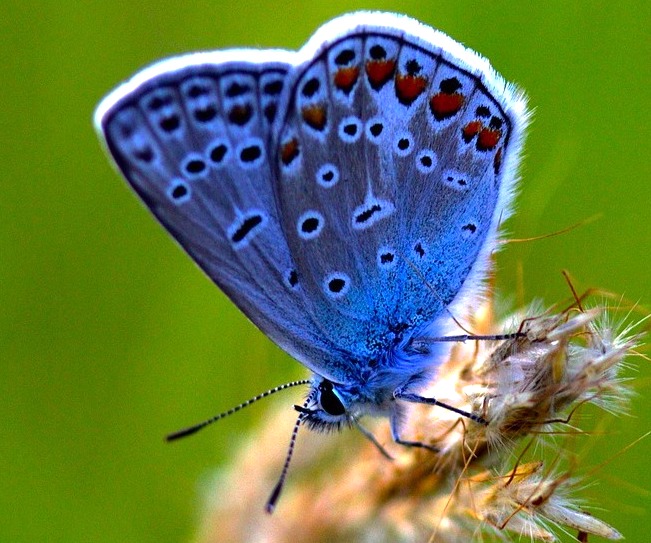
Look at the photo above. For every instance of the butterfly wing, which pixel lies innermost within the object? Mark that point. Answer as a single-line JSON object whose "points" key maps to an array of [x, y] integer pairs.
{"points": [[396, 161], [192, 135], [343, 196]]}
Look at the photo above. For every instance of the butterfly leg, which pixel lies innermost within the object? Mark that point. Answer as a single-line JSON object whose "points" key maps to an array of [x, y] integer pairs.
{"points": [[395, 432], [400, 394]]}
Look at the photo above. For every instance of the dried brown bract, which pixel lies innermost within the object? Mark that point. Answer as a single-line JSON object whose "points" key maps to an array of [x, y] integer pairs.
{"points": [[479, 486]]}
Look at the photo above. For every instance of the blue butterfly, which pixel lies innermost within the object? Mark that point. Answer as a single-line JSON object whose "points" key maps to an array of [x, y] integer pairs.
{"points": [[346, 197]]}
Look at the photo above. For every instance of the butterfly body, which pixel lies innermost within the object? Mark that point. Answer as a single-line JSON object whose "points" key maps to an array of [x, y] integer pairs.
{"points": [[346, 197]]}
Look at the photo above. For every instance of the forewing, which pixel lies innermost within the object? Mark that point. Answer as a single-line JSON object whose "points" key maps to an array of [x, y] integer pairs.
{"points": [[193, 137], [396, 161]]}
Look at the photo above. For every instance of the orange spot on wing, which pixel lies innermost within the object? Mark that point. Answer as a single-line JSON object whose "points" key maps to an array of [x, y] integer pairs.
{"points": [[345, 78], [471, 130], [240, 114], [444, 106], [315, 116], [379, 72], [289, 151], [409, 87], [488, 139], [497, 161]]}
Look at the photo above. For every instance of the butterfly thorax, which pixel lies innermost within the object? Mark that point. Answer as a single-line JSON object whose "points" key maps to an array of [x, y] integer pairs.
{"points": [[372, 391]]}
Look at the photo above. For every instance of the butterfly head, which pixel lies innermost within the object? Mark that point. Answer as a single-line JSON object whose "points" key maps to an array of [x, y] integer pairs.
{"points": [[333, 406], [326, 408]]}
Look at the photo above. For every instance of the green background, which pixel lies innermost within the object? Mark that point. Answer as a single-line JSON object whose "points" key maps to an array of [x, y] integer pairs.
{"points": [[109, 335]]}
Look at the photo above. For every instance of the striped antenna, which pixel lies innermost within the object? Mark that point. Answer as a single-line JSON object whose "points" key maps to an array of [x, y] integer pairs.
{"points": [[195, 428], [275, 493]]}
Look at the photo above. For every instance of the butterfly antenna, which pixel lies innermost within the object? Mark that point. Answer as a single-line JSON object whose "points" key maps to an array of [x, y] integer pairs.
{"points": [[195, 428], [275, 494]]}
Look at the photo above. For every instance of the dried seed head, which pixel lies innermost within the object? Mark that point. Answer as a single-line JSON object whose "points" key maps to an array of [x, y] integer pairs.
{"points": [[476, 487]]}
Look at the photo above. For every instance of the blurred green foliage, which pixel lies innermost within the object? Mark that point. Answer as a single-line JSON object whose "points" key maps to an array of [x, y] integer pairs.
{"points": [[110, 337]]}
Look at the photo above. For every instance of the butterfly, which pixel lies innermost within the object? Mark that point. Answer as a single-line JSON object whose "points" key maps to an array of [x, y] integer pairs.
{"points": [[346, 197]]}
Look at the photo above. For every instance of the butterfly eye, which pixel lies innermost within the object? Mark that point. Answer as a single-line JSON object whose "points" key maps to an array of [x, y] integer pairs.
{"points": [[330, 402]]}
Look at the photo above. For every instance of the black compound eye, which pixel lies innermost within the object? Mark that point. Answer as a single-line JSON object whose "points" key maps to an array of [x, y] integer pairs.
{"points": [[330, 403]]}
